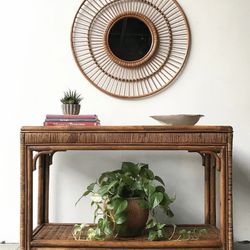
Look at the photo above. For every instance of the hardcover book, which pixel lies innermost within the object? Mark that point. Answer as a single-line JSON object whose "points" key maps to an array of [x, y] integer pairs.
{"points": [[71, 123], [87, 116], [64, 120]]}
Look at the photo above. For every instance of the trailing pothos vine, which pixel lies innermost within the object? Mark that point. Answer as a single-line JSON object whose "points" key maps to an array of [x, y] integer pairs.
{"points": [[110, 194]]}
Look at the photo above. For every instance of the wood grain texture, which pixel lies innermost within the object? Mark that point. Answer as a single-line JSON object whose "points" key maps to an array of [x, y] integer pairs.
{"points": [[213, 143]]}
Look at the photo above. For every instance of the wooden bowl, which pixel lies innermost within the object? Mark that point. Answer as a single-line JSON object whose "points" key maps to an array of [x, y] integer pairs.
{"points": [[177, 119]]}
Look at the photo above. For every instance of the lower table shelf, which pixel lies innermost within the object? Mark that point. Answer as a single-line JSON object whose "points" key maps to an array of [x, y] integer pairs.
{"points": [[60, 236]]}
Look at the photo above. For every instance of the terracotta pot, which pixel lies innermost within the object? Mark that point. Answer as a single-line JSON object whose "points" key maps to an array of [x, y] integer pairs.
{"points": [[71, 109], [136, 218]]}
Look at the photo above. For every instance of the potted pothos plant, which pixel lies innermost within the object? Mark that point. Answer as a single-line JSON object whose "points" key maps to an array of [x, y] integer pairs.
{"points": [[71, 102], [125, 201]]}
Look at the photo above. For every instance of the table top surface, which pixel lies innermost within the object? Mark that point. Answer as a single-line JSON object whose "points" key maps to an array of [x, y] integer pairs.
{"points": [[149, 128]]}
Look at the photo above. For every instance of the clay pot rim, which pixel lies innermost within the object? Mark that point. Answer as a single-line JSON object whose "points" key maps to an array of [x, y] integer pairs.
{"points": [[133, 198]]}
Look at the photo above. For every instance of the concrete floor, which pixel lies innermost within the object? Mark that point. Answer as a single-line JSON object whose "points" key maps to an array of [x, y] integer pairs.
{"points": [[9, 246], [242, 245]]}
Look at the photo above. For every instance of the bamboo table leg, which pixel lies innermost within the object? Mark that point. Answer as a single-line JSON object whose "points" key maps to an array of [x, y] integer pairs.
{"points": [[226, 200], [29, 202], [226, 221], [43, 190], [212, 193], [26, 215], [229, 194], [210, 189], [23, 201], [207, 166]]}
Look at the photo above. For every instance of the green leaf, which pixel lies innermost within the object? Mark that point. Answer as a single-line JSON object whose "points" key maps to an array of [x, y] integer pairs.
{"points": [[160, 189], [120, 219], [149, 189], [143, 204], [86, 193], [110, 206], [127, 166], [167, 210], [96, 198], [159, 179], [142, 166], [170, 213], [107, 230], [100, 221], [130, 168], [151, 223], [160, 234], [128, 180], [105, 189], [148, 174], [139, 194], [155, 199], [102, 177], [119, 190], [91, 234], [160, 226], [120, 206], [98, 231], [152, 235], [167, 200], [91, 187]]}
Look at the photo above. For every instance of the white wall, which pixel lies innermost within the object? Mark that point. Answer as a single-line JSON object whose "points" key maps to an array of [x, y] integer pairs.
{"points": [[37, 66]]}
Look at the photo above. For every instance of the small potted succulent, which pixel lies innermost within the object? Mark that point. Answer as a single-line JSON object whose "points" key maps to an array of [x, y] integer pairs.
{"points": [[125, 201], [71, 102]]}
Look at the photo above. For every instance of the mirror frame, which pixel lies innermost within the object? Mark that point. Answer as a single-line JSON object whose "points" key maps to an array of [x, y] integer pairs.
{"points": [[171, 39], [154, 40]]}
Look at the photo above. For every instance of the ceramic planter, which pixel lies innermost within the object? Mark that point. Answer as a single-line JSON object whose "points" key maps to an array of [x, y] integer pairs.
{"points": [[136, 218], [71, 109]]}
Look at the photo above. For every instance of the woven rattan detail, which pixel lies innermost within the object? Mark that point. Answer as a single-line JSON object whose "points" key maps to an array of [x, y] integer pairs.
{"points": [[130, 79], [64, 232], [55, 232]]}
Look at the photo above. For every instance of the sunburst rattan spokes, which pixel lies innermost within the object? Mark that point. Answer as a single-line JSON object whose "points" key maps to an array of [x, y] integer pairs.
{"points": [[170, 34]]}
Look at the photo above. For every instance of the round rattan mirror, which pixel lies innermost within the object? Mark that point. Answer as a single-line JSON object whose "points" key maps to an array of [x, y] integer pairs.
{"points": [[130, 48], [131, 39]]}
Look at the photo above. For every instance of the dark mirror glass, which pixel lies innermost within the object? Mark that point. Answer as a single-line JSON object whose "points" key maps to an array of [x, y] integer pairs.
{"points": [[129, 39]]}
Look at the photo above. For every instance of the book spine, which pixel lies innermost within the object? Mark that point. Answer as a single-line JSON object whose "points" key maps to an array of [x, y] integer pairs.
{"points": [[71, 116], [71, 120], [71, 123]]}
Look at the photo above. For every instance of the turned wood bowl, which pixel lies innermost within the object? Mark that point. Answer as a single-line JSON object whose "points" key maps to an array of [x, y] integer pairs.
{"points": [[177, 119]]}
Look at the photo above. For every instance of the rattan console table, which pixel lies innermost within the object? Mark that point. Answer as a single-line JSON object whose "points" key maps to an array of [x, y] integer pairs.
{"points": [[39, 144]]}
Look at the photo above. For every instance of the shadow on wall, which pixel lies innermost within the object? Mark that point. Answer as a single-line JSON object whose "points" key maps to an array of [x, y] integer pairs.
{"points": [[241, 197]]}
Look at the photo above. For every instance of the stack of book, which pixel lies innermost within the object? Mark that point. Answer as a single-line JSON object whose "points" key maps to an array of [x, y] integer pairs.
{"points": [[65, 120]]}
